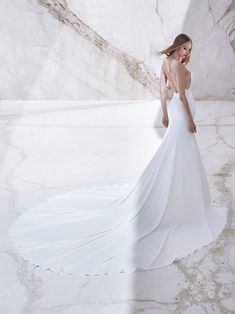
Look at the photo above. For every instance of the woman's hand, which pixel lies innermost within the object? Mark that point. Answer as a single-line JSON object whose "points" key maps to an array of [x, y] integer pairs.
{"points": [[165, 120], [192, 126]]}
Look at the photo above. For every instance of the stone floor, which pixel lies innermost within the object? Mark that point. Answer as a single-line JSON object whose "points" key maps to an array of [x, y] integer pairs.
{"points": [[48, 147]]}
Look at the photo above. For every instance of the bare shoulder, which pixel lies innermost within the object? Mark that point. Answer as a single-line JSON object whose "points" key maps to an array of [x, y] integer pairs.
{"points": [[178, 66], [164, 66], [163, 62]]}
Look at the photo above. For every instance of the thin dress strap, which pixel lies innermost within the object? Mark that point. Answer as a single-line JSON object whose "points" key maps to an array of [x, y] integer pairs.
{"points": [[173, 85]]}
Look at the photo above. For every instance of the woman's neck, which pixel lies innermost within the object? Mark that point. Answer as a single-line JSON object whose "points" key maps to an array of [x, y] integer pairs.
{"points": [[175, 56]]}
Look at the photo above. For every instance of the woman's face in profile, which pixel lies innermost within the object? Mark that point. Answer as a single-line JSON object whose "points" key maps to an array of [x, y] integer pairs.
{"points": [[184, 50]]}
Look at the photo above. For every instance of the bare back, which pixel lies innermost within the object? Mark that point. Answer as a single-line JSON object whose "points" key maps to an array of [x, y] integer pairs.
{"points": [[169, 68]]}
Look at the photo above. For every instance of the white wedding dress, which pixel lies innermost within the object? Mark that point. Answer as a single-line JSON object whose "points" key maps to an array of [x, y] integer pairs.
{"points": [[166, 215]]}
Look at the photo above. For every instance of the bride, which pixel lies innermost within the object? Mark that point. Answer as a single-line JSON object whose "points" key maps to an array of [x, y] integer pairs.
{"points": [[165, 216]]}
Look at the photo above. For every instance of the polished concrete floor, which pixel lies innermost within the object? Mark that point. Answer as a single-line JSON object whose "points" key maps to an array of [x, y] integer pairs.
{"points": [[49, 147]]}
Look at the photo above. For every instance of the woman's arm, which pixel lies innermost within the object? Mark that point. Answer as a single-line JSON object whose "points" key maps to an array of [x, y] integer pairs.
{"points": [[180, 75], [163, 97]]}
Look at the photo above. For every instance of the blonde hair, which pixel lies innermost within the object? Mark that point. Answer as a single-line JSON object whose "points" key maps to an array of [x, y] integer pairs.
{"points": [[178, 42]]}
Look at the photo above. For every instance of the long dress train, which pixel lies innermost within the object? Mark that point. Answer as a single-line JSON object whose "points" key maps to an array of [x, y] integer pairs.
{"points": [[166, 215]]}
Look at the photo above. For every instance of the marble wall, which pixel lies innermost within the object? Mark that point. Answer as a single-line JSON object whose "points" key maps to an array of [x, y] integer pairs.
{"points": [[106, 49]]}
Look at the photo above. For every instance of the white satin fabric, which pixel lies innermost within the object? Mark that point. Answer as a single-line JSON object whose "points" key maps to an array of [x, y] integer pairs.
{"points": [[166, 215]]}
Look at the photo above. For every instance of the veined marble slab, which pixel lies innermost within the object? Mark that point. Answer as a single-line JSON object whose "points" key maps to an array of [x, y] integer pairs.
{"points": [[106, 49]]}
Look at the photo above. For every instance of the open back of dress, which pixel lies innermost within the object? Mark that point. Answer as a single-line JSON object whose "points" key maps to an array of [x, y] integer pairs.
{"points": [[171, 80]]}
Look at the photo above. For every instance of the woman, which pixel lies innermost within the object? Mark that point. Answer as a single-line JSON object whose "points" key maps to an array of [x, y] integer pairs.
{"points": [[174, 71], [166, 215]]}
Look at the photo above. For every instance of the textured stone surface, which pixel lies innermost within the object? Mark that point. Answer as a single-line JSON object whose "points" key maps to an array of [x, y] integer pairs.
{"points": [[106, 49]]}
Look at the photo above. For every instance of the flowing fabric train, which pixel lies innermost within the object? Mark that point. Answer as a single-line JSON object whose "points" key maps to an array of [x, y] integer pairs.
{"points": [[166, 215]]}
